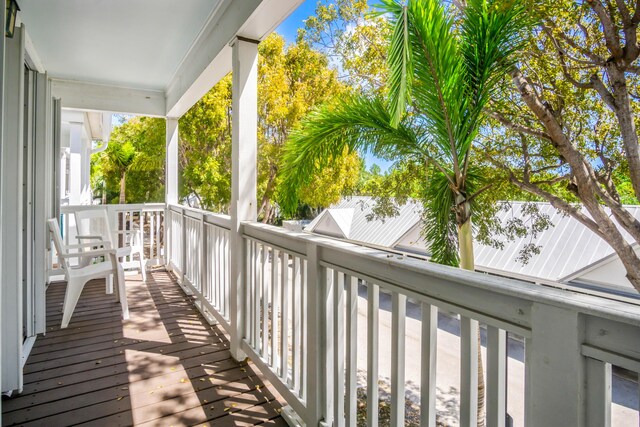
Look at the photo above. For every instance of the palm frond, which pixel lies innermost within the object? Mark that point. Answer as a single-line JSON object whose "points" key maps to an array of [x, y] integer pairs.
{"points": [[491, 35], [400, 60], [438, 90], [357, 124], [440, 228], [439, 222]]}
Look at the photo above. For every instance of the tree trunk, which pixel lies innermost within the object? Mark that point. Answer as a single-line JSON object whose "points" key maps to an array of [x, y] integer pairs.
{"points": [[586, 188], [104, 193], [122, 200], [467, 262]]}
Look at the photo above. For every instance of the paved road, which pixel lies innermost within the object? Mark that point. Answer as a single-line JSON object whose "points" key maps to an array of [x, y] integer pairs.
{"points": [[625, 392]]}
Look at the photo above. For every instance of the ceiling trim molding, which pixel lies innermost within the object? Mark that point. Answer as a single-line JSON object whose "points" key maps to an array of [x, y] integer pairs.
{"points": [[98, 97]]}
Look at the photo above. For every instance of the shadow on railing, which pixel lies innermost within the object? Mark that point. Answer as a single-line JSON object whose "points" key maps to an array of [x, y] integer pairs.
{"points": [[347, 333]]}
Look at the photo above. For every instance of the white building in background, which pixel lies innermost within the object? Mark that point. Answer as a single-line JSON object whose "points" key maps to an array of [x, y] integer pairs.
{"points": [[570, 253], [82, 133]]}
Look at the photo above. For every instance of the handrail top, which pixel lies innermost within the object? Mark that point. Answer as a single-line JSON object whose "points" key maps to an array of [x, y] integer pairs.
{"points": [[126, 206], [589, 304]]}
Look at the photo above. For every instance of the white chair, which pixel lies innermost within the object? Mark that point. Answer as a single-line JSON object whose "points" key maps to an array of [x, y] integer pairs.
{"points": [[104, 265], [93, 225]]}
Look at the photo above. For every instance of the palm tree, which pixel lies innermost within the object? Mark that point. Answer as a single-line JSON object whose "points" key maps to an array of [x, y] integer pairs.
{"points": [[120, 157], [441, 76]]}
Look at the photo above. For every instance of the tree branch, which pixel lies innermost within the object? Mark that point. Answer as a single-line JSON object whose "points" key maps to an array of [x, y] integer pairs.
{"points": [[517, 127], [608, 28]]}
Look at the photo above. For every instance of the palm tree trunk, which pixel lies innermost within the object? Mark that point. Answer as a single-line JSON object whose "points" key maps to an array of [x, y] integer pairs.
{"points": [[123, 198], [465, 241]]}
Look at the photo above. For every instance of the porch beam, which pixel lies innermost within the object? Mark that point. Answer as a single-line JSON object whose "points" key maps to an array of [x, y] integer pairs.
{"points": [[243, 175], [98, 97], [209, 59]]}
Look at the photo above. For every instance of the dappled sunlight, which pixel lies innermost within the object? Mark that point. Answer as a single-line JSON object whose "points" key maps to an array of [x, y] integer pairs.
{"points": [[165, 365]]}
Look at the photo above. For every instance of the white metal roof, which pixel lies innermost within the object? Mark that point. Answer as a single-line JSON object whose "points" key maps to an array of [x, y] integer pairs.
{"points": [[377, 232], [567, 247]]}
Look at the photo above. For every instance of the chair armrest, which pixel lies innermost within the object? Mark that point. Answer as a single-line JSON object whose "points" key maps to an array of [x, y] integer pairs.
{"points": [[86, 245], [94, 253], [89, 236]]}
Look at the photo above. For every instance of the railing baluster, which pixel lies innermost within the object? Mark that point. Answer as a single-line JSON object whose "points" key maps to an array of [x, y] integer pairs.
{"points": [[468, 371], [598, 393], [257, 288], [284, 307], [297, 324], [352, 350], [304, 325], [398, 320], [429, 349], [159, 238], [275, 308], [496, 376], [216, 267], [227, 272], [249, 293], [373, 306], [265, 303], [338, 349]]}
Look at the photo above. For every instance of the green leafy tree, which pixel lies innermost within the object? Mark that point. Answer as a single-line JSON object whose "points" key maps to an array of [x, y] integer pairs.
{"points": [[565, 126], [132, 166], [291, 81], [354, 40], [205, 149]]}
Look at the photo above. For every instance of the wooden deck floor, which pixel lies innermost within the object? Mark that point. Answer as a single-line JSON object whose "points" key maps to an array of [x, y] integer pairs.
{"points": [[165, 366]]}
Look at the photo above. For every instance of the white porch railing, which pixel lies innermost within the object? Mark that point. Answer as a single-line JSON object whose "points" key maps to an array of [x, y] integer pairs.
{"points": [[300, 323], [198, 248], [147, 217]]}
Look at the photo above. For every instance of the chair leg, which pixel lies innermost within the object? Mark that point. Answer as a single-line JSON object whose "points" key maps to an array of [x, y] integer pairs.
{"points": [[109, 286], [143, 266], [122, 292], [71, 296]]}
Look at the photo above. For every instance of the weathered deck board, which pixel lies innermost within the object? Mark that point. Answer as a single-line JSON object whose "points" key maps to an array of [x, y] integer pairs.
{"points": [[163, 366]]}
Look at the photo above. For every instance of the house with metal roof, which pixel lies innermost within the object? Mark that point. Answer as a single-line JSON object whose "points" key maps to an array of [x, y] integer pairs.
{"points": [[569, 252]]}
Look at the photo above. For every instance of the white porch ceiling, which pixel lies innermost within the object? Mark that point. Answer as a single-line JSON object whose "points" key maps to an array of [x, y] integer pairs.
{"points": [[152, 57], [119, 42]]}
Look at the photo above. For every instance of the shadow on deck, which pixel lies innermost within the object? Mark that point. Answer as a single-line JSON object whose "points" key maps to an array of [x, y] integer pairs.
{"points": [[163, 366]]}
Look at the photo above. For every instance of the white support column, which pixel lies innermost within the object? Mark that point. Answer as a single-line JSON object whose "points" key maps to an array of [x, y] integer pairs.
{"points": [[42, 198], [12, 221], [2, 179], [75, 163], [171, 162], [170, 182], [554, 368], [243, 175]]}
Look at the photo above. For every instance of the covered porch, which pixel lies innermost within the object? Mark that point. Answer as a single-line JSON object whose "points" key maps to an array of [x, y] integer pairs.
{"points": [[290, 302]]}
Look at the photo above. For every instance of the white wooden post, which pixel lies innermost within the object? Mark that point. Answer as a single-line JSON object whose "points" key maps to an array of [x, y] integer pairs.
{"points": [[43, 208], [243, 176], [171, 162], [75, 162], [11, 226], [170, 182], [2, 179], [316, 349], [554, 368]]}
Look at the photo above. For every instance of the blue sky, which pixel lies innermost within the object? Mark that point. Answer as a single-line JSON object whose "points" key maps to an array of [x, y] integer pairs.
{"points": [[289, 29]]}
